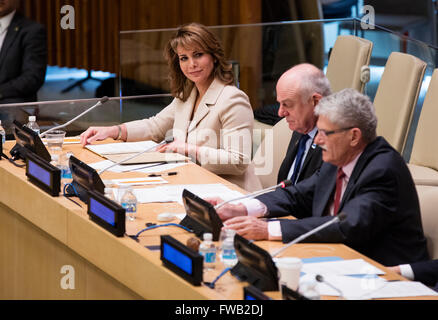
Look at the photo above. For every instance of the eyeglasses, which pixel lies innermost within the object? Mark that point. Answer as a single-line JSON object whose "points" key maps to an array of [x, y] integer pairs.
{"points": [[326, 133]]}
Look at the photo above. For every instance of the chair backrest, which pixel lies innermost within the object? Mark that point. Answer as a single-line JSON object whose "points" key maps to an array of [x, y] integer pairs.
{"points": [[396, 97], [271, 152], [425, 147], [348, 56], [428, 197]]}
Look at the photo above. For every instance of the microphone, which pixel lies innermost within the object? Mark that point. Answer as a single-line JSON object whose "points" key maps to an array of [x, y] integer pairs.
{"points": [[336, 219], [100, 102], [321, 279], [165, 141], [283, 184]]}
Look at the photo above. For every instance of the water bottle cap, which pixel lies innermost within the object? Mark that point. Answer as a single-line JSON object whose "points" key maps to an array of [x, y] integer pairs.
{"points": [[32, 118], [208, 236]]}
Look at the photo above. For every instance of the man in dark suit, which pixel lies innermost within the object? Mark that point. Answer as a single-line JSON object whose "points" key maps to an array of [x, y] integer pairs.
{"points": [[23, 58], [424, 271], [362, 176], [299, 90]]}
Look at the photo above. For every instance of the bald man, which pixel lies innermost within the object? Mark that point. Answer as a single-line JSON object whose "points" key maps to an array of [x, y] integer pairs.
{"points": [[299, 90]]}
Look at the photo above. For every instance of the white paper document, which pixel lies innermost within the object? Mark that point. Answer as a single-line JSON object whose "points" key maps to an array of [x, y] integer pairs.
{"points": [[342, 267], [119, 148], [173, 193], [351, 287], [399, 289], [139, 181], [144, 168]]}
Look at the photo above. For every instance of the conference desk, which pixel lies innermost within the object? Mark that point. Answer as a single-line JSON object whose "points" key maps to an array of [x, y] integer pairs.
{"points": [[50, 249]]}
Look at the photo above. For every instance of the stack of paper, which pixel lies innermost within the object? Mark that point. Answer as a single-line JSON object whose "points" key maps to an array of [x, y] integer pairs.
{"points": [[173, 193], [358, 279]]}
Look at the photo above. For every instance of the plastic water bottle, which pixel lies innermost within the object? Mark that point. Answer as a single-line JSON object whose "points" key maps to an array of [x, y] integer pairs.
{"points": [[229, 258], [129, 202], [32, 124], [63, 165], [2, 133], [208, 250]]}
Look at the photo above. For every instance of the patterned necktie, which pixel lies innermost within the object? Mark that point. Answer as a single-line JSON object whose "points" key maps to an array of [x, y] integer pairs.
{"points": [[299, 157], [339, 180]]}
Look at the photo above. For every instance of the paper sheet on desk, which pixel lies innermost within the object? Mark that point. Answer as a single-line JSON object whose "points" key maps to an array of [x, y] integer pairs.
{"points": [[342, 267], [173, 193], [144, 168], [351, 287], [398, 289], [118, 148], [139, 181]]}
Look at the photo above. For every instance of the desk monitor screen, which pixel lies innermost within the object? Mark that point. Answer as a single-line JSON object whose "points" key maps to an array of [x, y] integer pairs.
{"points": [[28, 140], [85, 179], [43, 174], [255, 265], [182, 260], [201, 216], [106, 213]]}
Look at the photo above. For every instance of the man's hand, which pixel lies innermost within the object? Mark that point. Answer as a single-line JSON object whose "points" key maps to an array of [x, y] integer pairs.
{"points": [[228, 210], [249, 227]]}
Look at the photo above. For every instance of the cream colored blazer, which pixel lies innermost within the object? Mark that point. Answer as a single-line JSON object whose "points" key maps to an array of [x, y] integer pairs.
{"points": [[221, 127]]}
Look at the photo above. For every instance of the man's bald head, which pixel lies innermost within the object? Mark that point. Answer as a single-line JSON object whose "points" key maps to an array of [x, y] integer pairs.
{"points": [[299, 90], [306, 79]]}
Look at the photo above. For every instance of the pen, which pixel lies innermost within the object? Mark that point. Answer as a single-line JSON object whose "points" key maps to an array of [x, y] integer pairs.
{"points": [[173, 173]]}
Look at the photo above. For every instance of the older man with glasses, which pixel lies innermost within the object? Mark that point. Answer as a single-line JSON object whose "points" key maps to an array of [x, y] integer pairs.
{"points": [[362, 176]]}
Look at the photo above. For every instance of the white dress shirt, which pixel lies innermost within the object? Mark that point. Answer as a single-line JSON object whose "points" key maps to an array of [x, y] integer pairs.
{"points": [[4, 25], [256, 208]]}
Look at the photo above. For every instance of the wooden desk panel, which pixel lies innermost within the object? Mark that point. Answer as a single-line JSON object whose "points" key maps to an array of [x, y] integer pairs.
{"points": [[43, 233]]}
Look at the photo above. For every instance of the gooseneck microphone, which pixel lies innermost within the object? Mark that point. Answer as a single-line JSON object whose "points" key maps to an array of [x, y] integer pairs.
{"points": [[336, 219], [282, 184], [100, 102], [321, 279], [165, 141]]}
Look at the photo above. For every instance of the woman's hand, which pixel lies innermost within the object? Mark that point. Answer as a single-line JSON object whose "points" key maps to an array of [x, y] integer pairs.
{"points": [[179, 146], [98, 133]]}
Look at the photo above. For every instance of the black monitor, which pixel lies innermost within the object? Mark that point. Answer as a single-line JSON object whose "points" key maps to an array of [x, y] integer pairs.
{"points": [[85, 179], [253, 293], [255, 265], [28, 140], [201, 217]]}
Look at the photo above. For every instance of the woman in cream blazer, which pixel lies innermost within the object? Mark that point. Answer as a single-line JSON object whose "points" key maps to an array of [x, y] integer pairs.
{"points": [[210, 119]]}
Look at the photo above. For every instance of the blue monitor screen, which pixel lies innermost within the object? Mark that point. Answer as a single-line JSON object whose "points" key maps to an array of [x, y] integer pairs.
{"points": [[102, 212], [178, 258], [39, 173]]}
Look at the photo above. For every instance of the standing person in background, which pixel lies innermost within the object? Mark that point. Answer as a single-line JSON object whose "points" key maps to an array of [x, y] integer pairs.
{"points": [[23, 59], [210, 119]]}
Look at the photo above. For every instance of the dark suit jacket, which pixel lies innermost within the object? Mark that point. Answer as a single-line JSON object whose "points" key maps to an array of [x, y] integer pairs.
{"points": [[311, 163], [23, 61], [426, 272], [383, 215]]}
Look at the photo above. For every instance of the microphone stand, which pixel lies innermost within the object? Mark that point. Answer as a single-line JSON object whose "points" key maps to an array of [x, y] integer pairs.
{"points": [[338, 218], [282, 184], [100, 102], [166, 141]]}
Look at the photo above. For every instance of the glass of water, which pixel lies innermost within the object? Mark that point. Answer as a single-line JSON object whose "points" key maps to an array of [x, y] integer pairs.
{"points": [[54, 140]]}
